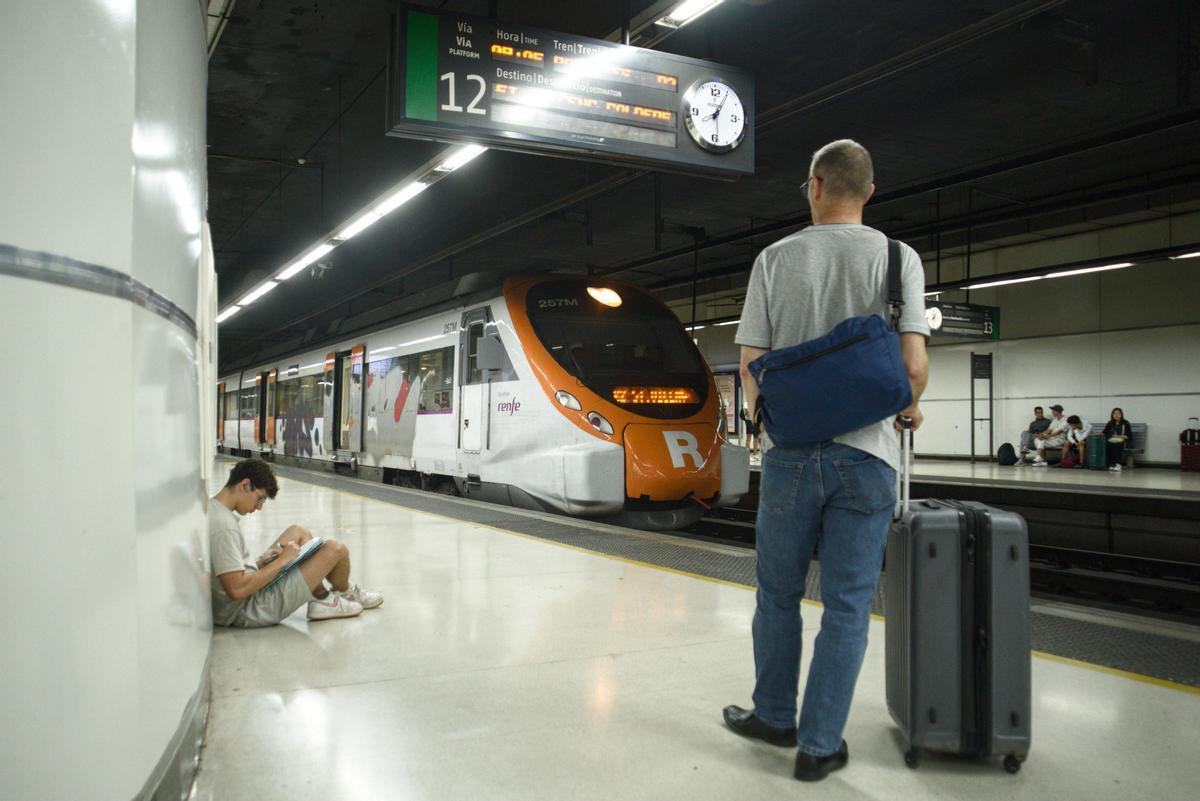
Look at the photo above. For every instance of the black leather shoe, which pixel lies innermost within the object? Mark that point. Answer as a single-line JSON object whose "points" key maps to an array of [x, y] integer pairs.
{"points": [[811, 768], [746, 724]]}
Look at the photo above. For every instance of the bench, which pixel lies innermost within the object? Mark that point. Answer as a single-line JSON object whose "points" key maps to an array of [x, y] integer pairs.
{"points": [[1054, 455], [1139, 442]]}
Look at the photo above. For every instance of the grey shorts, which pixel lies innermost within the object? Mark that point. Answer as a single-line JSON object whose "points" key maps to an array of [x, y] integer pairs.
{"points": [[271, 605]]}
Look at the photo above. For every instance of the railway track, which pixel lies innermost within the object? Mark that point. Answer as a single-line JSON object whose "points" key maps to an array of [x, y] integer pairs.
{"points": [[1131, 583]]}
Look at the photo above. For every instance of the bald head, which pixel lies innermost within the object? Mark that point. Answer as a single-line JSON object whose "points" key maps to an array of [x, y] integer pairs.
{"points": [[845, 170]]}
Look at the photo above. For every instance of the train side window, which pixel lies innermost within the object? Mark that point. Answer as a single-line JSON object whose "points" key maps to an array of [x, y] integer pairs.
{"points": [[436, 372], [474, 374], [474, 334], [249, 403], [231, 405]]}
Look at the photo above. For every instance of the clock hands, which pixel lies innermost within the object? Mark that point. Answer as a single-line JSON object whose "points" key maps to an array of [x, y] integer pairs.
{"points": [[720, 106]]}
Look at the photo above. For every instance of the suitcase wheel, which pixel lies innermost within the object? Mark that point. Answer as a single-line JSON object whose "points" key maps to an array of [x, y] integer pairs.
{"points": [[1011, 763], [911, 759]]}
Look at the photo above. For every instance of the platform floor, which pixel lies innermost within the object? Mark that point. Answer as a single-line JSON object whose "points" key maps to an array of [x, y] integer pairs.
{"points": [[1137, 481], [506, 667]]}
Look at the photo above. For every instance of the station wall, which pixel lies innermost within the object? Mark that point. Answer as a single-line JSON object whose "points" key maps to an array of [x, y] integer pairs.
{"points": [[1124, 338]]}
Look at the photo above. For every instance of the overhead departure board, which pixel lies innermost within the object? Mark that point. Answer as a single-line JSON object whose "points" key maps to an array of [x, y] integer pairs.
{"points": [[962, 320], [455, 78]]}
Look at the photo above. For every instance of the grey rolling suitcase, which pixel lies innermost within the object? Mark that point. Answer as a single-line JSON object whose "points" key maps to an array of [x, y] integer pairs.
{"points": [[957, 627]]}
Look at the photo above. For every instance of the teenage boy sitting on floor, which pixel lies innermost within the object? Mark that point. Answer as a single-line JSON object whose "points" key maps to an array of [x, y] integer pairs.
{"points": [[240, 594]]}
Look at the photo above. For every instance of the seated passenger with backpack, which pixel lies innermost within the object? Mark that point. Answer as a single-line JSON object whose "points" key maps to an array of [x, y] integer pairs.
{"points": [[246, 595]]}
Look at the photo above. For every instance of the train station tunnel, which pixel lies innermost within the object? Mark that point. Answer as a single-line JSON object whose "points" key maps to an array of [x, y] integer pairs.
{"points": [[660, 399]]}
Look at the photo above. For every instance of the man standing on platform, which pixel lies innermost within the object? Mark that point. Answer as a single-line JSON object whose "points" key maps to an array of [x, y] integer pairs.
{"points": [[841, 492]]}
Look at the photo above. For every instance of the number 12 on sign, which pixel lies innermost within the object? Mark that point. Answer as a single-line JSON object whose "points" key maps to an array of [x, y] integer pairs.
{"points": [[451, 80]]}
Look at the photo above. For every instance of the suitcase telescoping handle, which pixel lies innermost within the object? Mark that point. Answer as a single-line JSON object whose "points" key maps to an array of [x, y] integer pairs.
{"points": [[904, 474]]}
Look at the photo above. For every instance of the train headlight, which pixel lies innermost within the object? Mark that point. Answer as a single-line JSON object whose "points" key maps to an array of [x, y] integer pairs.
{"points": [[568, 400], [600, 424], [608, 297]]}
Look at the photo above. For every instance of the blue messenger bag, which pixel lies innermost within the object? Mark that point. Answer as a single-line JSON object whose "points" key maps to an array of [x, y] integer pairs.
{"points": [[850, 378]]}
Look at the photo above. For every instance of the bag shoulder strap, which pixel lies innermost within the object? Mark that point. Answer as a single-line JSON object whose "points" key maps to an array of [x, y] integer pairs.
{"points": [[895, 292]]}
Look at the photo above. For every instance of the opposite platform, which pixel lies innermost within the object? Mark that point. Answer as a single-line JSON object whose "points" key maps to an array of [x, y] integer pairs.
{"points": [[502, 666]]}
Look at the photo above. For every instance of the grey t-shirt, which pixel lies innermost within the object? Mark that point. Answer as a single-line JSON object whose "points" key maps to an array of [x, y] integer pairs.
{"points": [[227, 547], [806, 283]]}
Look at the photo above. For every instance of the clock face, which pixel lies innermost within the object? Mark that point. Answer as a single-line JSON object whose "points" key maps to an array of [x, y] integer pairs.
{"points": [[714, 114], [933, 315]]}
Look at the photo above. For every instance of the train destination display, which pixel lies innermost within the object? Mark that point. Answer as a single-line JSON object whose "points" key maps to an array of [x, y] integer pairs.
{"points": [[962, 320], [455, 78]]}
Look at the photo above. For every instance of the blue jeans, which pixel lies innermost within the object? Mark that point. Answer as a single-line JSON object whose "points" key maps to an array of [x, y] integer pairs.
{"points": [[840, 499]]}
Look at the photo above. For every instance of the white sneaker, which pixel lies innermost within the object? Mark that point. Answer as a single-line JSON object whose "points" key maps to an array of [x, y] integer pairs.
{"points": [[331, 606], [367, 598], [1039, 462], [1116, 468]]}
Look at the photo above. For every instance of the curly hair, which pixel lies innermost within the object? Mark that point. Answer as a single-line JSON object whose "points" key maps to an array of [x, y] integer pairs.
{"points": [[259, 473]]}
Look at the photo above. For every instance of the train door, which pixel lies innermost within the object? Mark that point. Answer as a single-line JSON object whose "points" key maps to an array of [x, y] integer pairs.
{"points": [[344, 401], [328, 383], [221, 413], [260, 411], [353, 397], [473, 405], [247, 412], [267, 407]]}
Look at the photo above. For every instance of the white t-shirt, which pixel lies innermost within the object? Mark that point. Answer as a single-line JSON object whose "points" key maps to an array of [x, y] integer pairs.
{"points": [[1081, 434], [806, 283], [227, 548]]}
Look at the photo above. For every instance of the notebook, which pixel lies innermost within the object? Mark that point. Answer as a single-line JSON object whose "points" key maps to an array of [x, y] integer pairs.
{"points": [[306, 550]]}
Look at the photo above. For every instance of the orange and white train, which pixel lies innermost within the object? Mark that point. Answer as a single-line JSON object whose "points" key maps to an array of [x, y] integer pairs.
{"points": [[564, 393]]}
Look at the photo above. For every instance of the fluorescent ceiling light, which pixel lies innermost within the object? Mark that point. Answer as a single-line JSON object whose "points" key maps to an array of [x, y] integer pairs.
{"points": [[303, 261], [728, 322], [359, 224], [225, 315], [460, 157], [1002, 283], [257, 293], [933, 294], [1091, 269], [687, 11], [399, 198], [695, 327], [1194, 255]]}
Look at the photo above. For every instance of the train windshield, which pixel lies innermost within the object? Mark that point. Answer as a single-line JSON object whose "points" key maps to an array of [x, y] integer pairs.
{"points": [[622, 345]]}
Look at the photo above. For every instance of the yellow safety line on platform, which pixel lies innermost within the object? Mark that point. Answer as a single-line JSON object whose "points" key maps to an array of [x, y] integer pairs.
{"points": [[1124, 674]]}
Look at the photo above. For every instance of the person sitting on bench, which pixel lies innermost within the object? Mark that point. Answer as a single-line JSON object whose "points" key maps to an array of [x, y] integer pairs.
{"points": [[1075, 448], [1053, 437], [1118, 435], [1038, 425]]}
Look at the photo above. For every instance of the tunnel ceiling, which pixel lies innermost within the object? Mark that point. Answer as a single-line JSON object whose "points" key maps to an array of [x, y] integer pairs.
{"points": [[982, 129]]}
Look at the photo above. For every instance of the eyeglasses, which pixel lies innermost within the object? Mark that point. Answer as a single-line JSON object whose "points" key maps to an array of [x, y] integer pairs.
{"points": [[261, 500], [804, 186]]}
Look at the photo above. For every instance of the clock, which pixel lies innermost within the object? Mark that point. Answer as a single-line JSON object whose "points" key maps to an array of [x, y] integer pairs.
{"points": [[714, 115], [933, 316]]}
